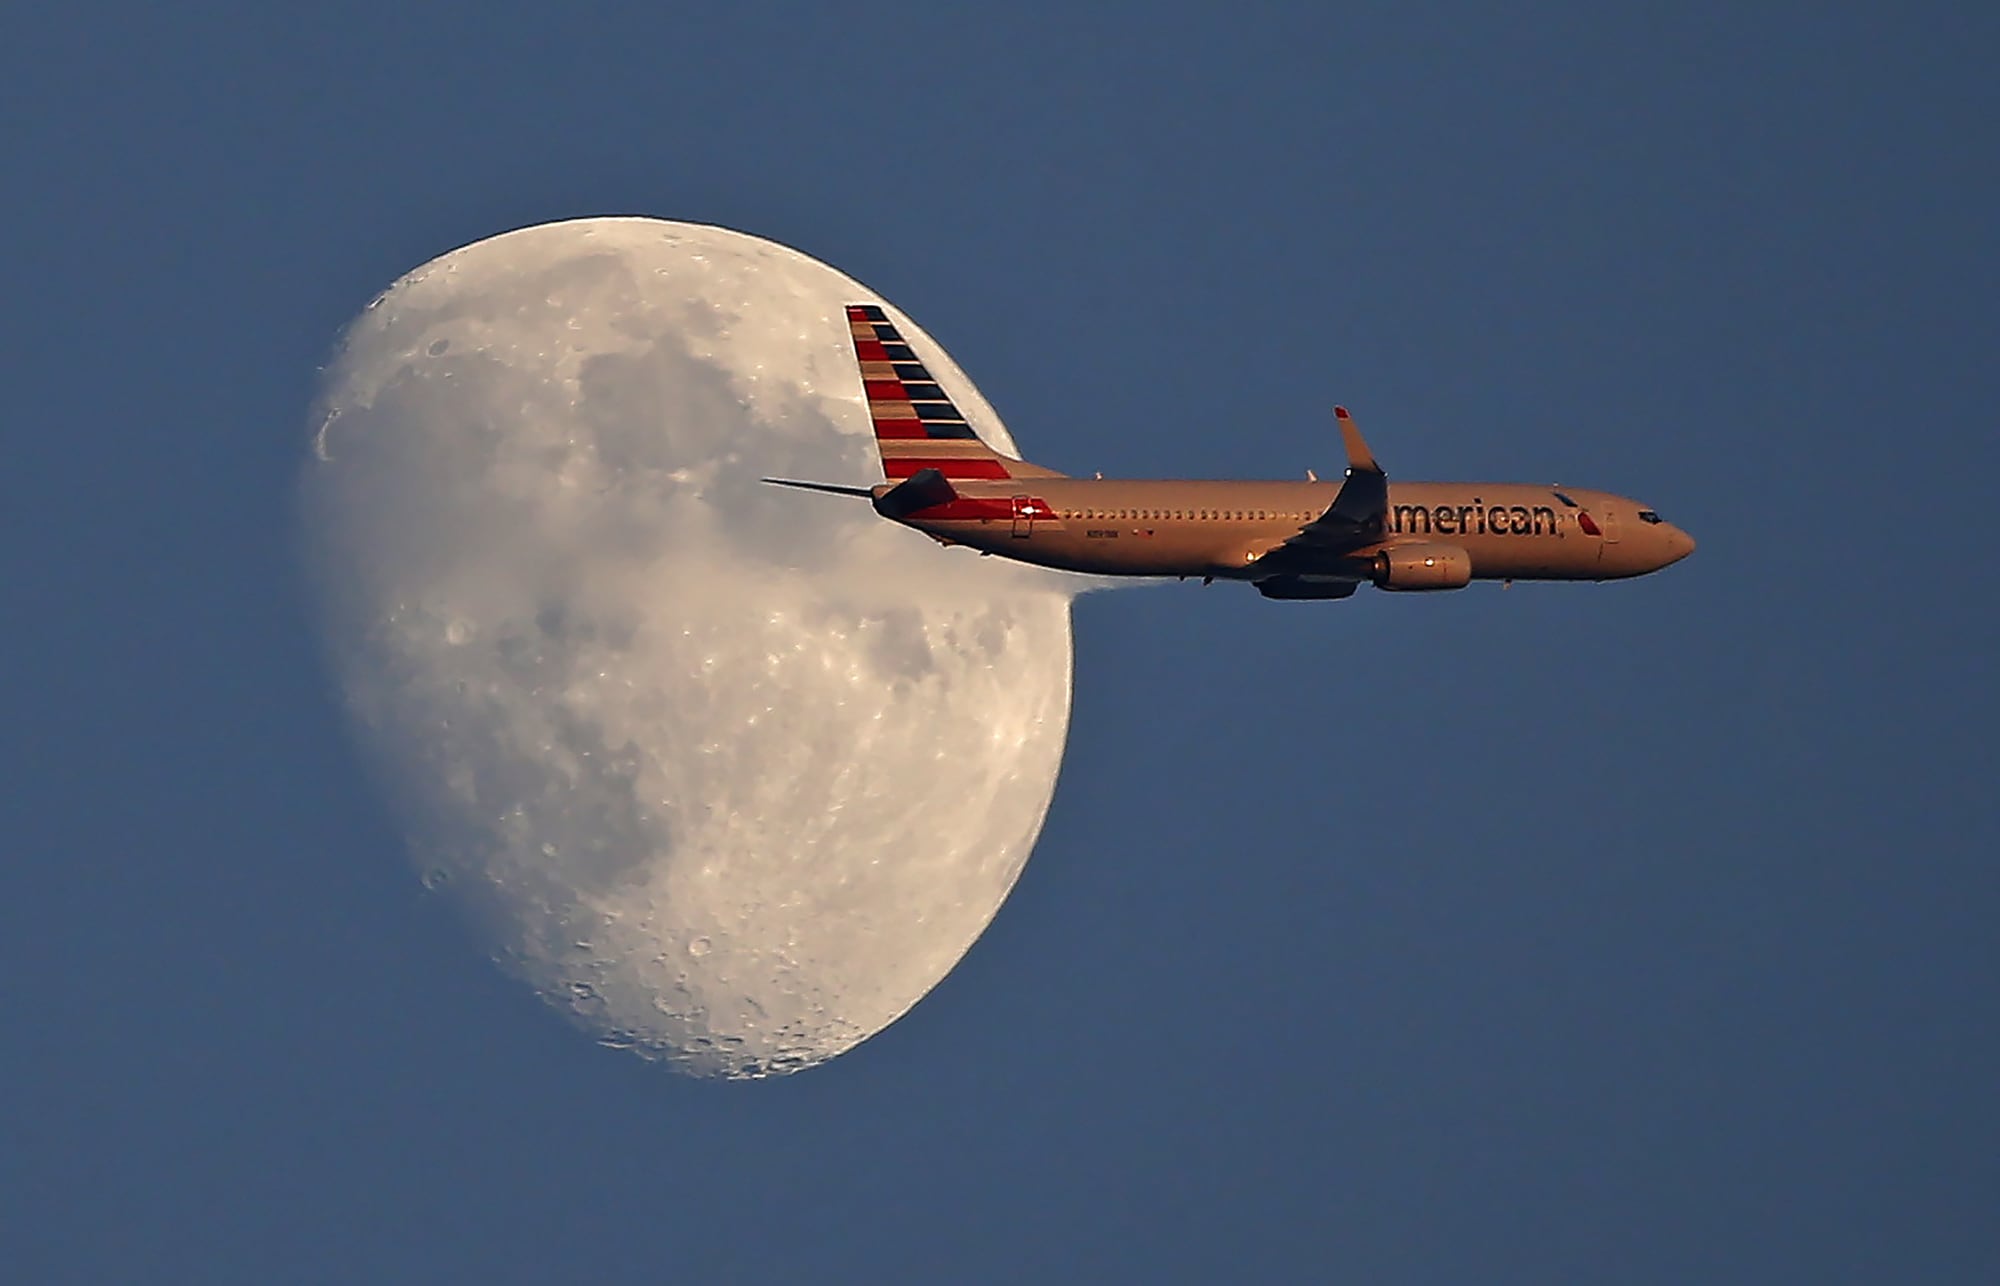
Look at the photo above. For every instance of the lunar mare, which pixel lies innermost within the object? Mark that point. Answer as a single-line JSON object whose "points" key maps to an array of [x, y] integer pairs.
{"points": [[733, 775]]}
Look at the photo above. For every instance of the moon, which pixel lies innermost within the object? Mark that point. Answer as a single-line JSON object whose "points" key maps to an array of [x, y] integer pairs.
{"points": [[730, 775]]}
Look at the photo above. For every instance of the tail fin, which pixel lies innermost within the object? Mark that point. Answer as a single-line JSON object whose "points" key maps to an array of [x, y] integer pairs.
{"points": [[916, 424]]}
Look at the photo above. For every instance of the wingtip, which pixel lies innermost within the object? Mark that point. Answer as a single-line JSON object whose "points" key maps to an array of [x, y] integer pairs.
{"points": [[1358, 454]]}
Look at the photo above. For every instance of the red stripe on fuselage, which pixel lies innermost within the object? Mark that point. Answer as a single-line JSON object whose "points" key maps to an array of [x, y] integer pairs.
{"points": [[965, 509]]}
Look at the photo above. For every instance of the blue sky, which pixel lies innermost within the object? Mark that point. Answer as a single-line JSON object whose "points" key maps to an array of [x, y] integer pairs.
{"points": [[1638, 932]]}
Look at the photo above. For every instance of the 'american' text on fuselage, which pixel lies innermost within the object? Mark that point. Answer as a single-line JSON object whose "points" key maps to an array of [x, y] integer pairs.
{"points": [[1475, 519]]}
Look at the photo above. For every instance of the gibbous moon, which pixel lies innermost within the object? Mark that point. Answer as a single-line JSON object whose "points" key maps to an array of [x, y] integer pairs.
{"points": [[732, 775]]}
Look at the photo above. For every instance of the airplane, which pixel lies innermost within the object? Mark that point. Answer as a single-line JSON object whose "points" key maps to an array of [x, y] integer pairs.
{"points": [[1292, 540]]}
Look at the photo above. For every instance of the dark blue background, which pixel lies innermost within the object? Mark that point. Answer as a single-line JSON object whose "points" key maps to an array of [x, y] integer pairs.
{"points": [[1640, 932]]}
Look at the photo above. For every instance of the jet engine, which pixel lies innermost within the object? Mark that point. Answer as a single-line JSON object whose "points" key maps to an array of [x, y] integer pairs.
{"points": [[1422, 566]]}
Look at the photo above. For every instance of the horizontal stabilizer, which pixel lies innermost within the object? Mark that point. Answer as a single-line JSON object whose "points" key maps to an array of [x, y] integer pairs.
{"points": [[831, 488], [921, 490]]}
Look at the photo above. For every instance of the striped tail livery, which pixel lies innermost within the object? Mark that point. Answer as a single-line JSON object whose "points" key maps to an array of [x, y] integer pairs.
{"points": [[917, 426]]}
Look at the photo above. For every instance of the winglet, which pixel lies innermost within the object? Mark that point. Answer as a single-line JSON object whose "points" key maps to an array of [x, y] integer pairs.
{"points": [[1359, 457]]}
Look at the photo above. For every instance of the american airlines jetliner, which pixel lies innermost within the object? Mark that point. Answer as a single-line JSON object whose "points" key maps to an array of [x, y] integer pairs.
{"points": [[1293, 540]]}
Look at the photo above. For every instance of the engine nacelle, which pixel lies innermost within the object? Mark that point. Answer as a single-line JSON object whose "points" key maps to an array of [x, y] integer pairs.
{"points": [[1423, 566]]}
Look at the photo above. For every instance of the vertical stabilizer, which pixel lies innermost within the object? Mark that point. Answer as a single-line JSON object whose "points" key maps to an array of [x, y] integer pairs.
{"points": [[917, 426]]}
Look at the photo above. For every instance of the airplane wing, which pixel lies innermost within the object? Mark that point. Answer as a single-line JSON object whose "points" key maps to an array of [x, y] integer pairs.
{"points": [[1354, 520]]}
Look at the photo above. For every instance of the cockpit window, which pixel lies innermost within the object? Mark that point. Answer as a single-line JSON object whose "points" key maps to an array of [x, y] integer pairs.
{"points": [[1648, 515]]}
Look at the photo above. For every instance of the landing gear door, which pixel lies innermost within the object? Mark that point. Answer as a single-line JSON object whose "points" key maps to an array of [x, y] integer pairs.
{"points": [[1024, 517]]}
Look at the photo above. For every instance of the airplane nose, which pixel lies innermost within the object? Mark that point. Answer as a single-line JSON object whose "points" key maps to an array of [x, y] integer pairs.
{"points": [[1679, 545]]}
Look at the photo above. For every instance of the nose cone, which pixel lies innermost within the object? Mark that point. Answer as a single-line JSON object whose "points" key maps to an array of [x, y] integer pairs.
{"points": [[1679, 545]]}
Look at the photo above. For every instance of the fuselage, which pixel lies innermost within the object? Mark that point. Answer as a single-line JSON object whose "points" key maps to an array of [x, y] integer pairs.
{"points": [[1292, 540], [1129, 527]]}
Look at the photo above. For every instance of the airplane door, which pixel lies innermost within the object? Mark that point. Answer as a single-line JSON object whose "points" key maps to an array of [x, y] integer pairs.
{"points": [[1610, 525], [1024, 517]]}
